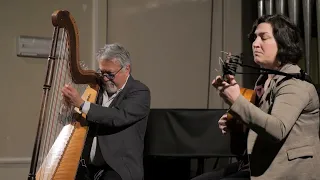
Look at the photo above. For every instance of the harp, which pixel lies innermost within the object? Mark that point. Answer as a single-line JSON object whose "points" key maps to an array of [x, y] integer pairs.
{"points": [[62, 130]]}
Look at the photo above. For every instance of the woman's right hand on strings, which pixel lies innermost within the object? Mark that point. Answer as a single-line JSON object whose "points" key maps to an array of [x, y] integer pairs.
{"points": [[223, 124]]}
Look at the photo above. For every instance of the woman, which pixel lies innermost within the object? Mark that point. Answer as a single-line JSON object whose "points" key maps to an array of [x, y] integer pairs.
{"points": [[283, 135]]}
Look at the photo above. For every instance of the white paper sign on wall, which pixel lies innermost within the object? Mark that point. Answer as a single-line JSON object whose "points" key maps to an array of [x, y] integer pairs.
{"points": [[38, 47]]}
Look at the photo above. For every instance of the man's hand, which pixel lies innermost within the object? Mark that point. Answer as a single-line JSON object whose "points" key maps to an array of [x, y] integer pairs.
{"points": [[71, 96]]}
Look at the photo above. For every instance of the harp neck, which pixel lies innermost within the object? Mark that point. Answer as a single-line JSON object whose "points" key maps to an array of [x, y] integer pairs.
{"points": [[63, 19]]}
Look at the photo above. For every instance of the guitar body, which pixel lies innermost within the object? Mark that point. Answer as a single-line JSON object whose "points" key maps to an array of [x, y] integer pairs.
{"points": [[249, 94]]}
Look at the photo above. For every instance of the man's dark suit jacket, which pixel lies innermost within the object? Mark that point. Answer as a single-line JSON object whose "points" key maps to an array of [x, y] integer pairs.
{"points": [[122, 128]]}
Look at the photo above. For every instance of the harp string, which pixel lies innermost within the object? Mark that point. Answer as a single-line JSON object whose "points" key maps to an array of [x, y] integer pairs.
{"points": [[59, 115], [46, 136], [60, 81], [53, 126]]}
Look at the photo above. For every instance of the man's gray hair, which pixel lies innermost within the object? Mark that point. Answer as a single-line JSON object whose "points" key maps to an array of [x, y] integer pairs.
{"points": [[114, 51]]}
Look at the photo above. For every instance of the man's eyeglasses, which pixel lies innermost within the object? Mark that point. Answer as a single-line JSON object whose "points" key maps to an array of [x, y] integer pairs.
{"points": [[108, 75]]}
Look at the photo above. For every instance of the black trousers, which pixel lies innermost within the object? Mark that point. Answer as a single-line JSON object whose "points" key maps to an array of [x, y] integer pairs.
{"points": [[227, 173]]}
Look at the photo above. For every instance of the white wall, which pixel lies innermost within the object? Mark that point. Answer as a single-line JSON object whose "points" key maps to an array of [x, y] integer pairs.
{"points": [[174, 49]]}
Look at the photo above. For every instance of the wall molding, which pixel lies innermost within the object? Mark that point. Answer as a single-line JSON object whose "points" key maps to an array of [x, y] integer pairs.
{"points": [[14, 160], [227, 36], [99, 28]]}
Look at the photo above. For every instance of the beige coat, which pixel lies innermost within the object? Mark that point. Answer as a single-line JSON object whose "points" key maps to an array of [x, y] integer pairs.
{"points": [[283, 141]]}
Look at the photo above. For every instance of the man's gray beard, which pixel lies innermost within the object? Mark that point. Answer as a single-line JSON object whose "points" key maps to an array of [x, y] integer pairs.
{"points": [[110, 87]]}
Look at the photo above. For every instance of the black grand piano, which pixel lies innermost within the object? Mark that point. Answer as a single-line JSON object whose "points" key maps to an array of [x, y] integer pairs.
{"points": [[176, 136]]}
